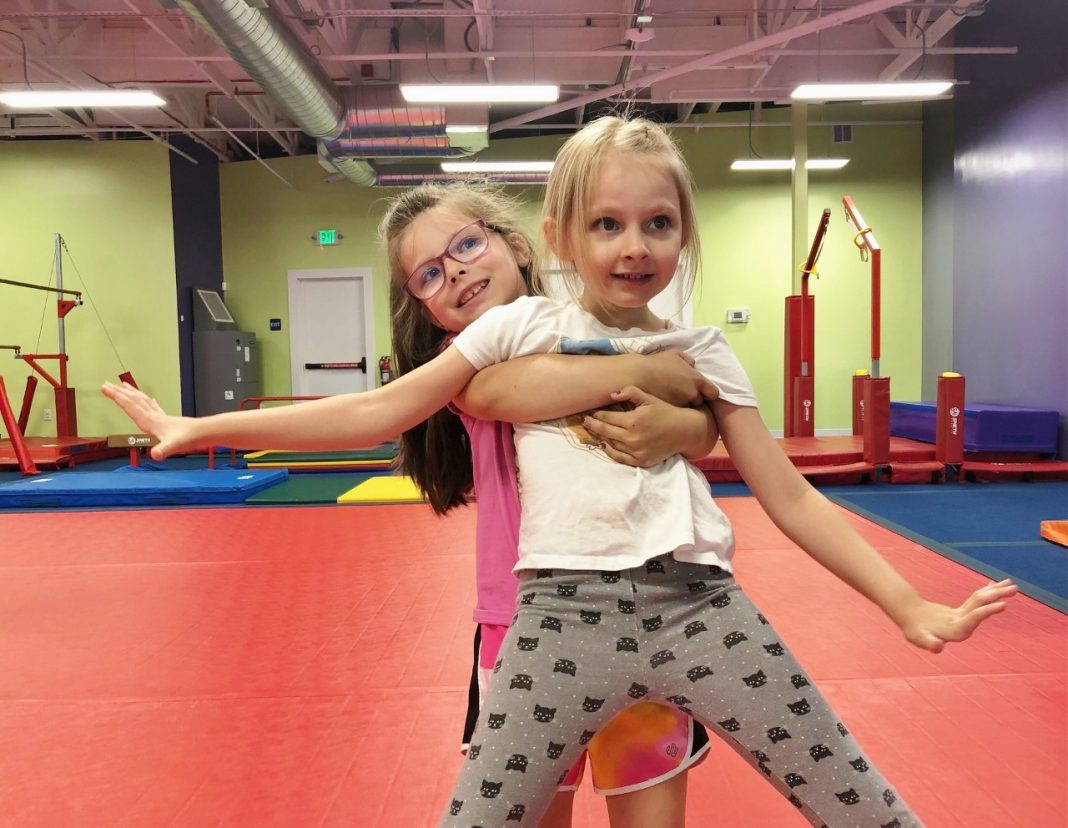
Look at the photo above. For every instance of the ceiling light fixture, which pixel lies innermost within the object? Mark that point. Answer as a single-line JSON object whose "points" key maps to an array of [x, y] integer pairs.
{"points": [[64, 98], [480, 93], [788, 164], [496, 166], [869, 91], [462, 129]]}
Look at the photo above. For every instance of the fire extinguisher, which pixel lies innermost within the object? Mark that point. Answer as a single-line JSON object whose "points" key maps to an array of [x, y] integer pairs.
{"points": [[385, 370]]}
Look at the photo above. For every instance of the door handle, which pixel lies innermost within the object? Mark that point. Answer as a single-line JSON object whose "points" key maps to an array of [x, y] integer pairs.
{"points": [[337, 366]]}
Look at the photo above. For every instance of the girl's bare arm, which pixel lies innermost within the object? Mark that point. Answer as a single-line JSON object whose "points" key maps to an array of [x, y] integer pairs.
{"points": [[547, 386], [344, 421], [814, 524]]}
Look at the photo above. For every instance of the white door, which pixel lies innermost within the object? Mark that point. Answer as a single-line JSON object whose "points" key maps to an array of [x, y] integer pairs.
{"points": [[331, 331]]}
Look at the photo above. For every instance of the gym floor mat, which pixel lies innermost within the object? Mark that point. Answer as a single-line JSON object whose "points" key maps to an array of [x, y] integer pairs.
{"points": [[391, 489], [308, 488], [194, 667], [137, 487], [386, 452], [992, 528]]}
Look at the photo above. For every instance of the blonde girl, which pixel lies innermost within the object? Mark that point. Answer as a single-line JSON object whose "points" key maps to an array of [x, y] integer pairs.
{"points": [[477, 257]]}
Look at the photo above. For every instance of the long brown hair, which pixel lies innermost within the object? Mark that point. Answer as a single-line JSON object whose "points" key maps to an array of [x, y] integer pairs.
{"points": [[436, 454]]}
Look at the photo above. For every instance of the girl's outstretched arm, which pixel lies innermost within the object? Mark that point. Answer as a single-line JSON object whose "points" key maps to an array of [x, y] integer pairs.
{"points": [[813, 523], [547, 386], [345, 421]]}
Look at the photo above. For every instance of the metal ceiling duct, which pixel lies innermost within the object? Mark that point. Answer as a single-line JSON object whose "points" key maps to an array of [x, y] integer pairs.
{"points": [[368, 121], [379, 123]]}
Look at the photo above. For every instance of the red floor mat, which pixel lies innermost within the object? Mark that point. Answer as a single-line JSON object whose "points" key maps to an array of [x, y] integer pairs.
{"points": [[306, 667]]}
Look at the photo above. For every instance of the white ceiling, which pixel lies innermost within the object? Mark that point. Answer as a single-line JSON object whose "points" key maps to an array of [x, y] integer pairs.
{"points": [[696, 56]]}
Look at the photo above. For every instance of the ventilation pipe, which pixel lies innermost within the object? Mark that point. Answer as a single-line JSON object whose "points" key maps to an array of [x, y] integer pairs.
{"points": [[274, 58]]}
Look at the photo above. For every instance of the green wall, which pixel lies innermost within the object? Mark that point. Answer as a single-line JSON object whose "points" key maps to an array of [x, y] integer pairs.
{"points": [[111, 203]]}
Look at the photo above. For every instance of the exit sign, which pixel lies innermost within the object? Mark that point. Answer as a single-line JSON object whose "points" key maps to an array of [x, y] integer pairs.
{"points": [[327, 237]]}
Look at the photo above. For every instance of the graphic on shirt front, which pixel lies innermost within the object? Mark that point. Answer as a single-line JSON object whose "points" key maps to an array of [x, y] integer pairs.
{"points": [[572, 427]]}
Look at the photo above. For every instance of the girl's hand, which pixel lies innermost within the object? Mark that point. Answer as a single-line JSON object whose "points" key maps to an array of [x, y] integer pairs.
{"points": [[652, 431], [931, 626], [173, 433], [671, 376]]}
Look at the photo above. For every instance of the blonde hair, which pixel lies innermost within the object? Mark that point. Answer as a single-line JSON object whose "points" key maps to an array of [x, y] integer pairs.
{"points": [[436, 453], [571, 181]]}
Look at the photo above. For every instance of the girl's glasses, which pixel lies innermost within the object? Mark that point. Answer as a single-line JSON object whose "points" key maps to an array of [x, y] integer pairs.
{"points": [[466, 246]]}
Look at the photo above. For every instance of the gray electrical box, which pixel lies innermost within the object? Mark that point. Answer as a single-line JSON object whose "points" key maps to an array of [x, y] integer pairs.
{"points": [[225, 360]]}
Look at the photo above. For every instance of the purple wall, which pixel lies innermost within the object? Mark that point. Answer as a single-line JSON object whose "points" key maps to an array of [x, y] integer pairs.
{"points": [[1010, 209]]}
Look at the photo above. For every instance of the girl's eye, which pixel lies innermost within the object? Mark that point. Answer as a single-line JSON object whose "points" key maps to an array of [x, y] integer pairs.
{"points": [[605, 223], [429, 274], [466, 244], [660, 223]]}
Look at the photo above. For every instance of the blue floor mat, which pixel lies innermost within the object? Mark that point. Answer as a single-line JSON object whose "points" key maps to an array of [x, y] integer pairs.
{"points": [[992, 528], [137, 487]]}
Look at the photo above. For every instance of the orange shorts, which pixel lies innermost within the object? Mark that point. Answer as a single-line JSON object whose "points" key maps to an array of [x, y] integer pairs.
{"points": [[644, 745]]}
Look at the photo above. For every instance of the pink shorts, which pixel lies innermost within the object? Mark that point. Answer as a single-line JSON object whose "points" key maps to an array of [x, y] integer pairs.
{"points": [[646, 744]]}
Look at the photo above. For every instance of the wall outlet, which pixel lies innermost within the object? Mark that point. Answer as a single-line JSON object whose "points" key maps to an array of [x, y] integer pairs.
{"points": [[46, 415], [737, 316]]}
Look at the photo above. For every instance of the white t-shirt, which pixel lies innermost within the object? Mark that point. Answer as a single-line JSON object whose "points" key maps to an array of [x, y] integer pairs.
{"points": [[580, 508]]}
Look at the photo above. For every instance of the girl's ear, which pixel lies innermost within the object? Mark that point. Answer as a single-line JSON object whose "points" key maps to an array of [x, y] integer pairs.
{"points": [[520, 248], [549, 234]]}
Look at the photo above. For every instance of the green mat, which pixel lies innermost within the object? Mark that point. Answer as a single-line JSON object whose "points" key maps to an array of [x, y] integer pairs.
{"points": [[384, 452], [309, 488]]}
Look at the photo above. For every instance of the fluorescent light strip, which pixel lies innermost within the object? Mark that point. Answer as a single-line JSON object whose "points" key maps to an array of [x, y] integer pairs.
{"points": [[464, 129], [480, 93], [60, 98], [788, 164], [869, 91], [497, 166]]}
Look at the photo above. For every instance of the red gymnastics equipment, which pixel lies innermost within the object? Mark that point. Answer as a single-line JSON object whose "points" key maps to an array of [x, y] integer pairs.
{"points": [[871, 392], [18, 443], [799, 396], [66, 408], [67, 445]]}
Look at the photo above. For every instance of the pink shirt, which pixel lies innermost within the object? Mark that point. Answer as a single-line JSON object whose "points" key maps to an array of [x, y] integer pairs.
{"points": [[497, 526]]}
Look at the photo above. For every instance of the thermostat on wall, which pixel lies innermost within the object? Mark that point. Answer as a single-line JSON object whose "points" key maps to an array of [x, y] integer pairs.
{"points": [[737, 316]]}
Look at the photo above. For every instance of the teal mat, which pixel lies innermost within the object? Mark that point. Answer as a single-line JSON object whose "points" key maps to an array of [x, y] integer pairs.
{"points": [[992, 528]]}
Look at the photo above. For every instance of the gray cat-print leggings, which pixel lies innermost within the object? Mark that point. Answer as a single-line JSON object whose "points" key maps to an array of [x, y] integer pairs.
{"points": [[586, 644]]}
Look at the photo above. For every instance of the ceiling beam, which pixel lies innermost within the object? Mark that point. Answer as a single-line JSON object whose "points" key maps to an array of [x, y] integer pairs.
{"points": [[768, 41], [920, 36], [186, 45]]}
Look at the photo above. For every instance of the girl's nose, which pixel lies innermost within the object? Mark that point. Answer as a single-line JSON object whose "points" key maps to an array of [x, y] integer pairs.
{"points": [[634, 245], [454, 269]]}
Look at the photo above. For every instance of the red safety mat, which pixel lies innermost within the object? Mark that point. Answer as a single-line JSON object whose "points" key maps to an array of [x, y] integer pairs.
{"points": [[309, 667]]}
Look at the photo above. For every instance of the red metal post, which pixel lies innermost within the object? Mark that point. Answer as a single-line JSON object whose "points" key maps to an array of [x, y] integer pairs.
{"points": [[22, 453], [799, 395], [27, 402], [865, 241]]}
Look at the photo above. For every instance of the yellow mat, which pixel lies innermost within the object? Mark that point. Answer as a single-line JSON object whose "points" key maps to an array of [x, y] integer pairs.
{"points": [[1055, 530], [390, 489]]}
